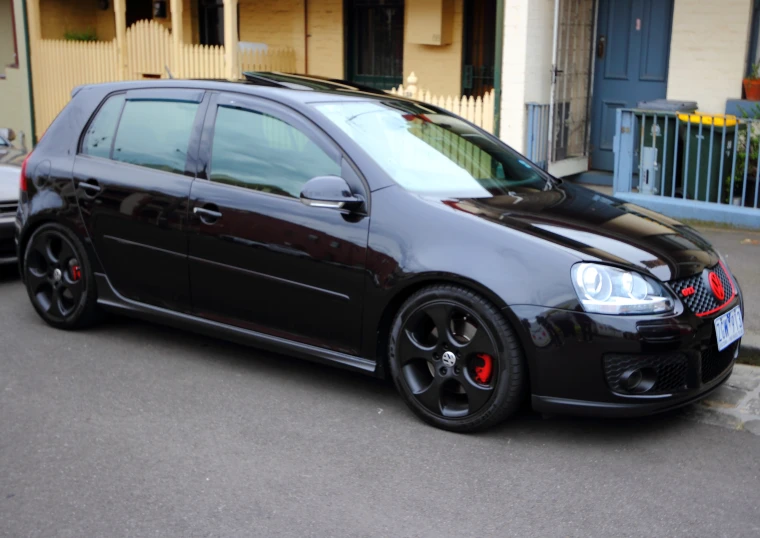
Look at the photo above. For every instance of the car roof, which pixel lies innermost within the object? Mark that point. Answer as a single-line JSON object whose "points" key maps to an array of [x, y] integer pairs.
{"points": [[284, 87]]}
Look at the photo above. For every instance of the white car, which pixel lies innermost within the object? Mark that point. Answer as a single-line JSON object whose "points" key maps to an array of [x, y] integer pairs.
{"points": [[11, 159]]}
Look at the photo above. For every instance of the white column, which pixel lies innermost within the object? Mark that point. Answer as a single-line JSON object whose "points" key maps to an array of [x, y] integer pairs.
{"points": [[513, 73], [231, 40], [120, 14], [177, 39]]}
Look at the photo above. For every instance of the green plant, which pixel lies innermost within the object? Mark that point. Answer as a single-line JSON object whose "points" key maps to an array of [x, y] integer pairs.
{"points": [[81, 35], [752, 113], [754, 71]]}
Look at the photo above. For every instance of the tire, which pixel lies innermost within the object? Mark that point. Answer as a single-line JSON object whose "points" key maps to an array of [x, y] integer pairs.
{"points": [[438, 377], [59, 278]]}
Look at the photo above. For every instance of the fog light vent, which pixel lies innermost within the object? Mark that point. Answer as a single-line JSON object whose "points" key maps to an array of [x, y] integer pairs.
{"points": [[646, 374]]}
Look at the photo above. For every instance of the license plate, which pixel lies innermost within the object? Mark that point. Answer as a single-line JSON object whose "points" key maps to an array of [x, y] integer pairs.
{"points": [[729, 328]]}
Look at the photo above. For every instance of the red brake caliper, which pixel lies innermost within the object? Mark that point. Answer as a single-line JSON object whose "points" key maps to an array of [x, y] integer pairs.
{"points": [[483, 373], [76, 271]]}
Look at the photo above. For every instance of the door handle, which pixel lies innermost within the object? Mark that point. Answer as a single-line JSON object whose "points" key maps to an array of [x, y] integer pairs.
{"points": [[208, 215], [91, 186], [600, 46]]}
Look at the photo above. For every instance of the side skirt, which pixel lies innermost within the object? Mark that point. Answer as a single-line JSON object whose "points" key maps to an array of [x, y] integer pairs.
{"points": [[110, 299]]}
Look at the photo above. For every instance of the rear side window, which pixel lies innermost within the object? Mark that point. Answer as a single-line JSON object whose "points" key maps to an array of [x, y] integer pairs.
{"points": [[155, 134], [260, 152], [99, 136]]}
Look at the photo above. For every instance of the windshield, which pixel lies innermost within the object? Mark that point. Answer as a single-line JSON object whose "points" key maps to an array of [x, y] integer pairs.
{"points": [[432, 153]]}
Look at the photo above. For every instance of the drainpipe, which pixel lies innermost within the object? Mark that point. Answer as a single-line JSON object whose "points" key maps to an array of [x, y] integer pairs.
{"points": [[499, 53], [33, 136]]}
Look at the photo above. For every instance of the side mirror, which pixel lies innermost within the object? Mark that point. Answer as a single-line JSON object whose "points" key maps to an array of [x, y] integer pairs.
{"points": [[331, 192]]}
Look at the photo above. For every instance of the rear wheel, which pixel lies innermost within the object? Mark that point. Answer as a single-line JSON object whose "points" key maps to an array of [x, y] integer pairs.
{"points": [[59, 278], [455, 360]]}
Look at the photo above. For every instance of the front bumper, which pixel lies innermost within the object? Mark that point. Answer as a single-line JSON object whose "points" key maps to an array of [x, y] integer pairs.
{"points": [[574, 358], [7, 241]]}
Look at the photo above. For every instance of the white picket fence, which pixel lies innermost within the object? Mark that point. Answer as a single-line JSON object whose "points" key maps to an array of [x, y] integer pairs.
{"points": [[478, 110]]}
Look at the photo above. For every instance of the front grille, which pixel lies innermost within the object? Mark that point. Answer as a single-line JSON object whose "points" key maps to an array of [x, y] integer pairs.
{"points": [[8, 208], [716, 362], [703, 300], [670, 369]]}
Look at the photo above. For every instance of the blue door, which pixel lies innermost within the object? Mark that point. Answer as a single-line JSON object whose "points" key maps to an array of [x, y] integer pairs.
{"points": [[632, 50]]}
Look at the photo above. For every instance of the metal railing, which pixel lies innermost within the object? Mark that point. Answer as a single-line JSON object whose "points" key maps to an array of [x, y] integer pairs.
{"points": [[537, 140], [689, 164]]}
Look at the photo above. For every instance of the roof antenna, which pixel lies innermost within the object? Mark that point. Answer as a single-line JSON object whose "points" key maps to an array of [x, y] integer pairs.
{"points": [[168, 72]]}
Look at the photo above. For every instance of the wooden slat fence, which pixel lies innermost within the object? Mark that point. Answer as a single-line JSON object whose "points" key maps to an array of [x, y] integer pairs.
{"points": [[478, 110]]}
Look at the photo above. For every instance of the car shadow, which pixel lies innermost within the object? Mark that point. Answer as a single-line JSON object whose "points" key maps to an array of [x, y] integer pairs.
{"points": [[8, 273], [339, 383]]}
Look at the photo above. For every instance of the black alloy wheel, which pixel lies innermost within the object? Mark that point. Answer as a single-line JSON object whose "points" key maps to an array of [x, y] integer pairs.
{"points": [[59, 279], [455, 359]]}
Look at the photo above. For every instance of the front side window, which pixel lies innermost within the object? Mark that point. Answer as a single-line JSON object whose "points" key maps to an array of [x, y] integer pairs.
{"points": [[155, 134], [260, 152], [428, 152]]}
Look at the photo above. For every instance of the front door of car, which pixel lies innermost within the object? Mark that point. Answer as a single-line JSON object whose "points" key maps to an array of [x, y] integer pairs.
{"points": [[133, 184], [259, 258]]}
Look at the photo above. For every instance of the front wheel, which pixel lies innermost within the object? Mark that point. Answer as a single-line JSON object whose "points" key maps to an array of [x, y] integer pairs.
{"points": [[455, 360], [59, 278]]}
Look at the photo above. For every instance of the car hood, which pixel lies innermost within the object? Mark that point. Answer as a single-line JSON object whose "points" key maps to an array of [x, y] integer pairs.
{"points": [[598, 228]]}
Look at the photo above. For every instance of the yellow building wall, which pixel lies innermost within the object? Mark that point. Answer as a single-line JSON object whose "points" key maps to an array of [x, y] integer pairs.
{"points": [[189, 20], [6, 34], [278, 23], [105, 23], [15, 111], [325, 38], [438, 68], [60, 16]]}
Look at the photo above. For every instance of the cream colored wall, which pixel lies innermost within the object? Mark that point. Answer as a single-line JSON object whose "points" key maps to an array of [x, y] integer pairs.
{"points": [[708, 51], [325, 38], [15, 111], [514, 72], [278, 23], [438, 68], [540, 46]]}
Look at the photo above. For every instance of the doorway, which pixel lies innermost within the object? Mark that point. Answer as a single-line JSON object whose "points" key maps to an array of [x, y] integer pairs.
{"points": [[479, 47], [375, 42], [631, 65], [138, 11]]}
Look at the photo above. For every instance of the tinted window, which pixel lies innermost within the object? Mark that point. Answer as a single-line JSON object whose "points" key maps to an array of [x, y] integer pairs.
{"points": [[155, 134], [99, 135], [260, 152]]}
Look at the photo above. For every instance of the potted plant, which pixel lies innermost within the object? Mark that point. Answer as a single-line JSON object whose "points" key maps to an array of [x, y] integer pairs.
{"points": [[752, 83]]}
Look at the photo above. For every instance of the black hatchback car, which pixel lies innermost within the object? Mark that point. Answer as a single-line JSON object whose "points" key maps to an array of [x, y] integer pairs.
{"points": [[373, 233]]}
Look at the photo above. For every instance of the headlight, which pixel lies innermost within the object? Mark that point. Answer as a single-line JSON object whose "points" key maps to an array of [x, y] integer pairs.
{"points": [[609, 290]]}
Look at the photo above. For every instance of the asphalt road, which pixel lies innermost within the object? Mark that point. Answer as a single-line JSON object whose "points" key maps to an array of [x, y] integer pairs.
{"points": [[137, 430]]}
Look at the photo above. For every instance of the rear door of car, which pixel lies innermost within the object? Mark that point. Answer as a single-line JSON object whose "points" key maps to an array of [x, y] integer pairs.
{"points": [[259, 258], [133, 181]]}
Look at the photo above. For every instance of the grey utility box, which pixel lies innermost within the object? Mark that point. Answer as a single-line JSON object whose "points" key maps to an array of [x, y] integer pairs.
{"points": [[654, 137]]}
